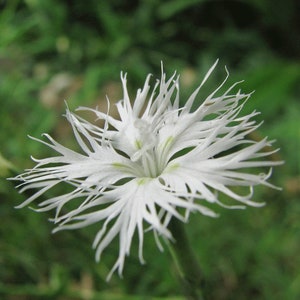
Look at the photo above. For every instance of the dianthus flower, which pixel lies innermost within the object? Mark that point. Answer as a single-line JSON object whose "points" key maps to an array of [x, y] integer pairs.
{"points": [[155, 162]]}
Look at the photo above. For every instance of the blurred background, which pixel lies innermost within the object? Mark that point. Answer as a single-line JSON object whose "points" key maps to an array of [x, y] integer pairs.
{"points": [[52, 50]]}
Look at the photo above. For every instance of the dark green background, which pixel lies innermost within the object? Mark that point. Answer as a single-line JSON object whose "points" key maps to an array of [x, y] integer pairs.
{"points": [[55, 50]]}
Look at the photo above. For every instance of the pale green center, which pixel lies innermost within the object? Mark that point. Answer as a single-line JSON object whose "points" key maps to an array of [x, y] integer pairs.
{"points": [[149, 161]]}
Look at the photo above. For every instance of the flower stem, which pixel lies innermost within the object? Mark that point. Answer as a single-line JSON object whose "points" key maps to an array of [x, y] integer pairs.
{"points": [[191, 277]]}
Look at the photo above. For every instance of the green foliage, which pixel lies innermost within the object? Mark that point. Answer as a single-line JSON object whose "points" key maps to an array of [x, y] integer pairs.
{"points": [[51, 51]]}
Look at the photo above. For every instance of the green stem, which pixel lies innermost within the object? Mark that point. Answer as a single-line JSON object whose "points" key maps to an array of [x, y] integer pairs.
{"points": [[191, 277]]}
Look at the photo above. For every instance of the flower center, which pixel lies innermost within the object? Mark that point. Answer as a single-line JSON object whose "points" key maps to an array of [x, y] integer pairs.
{"points": [[145, 156], [144, 139], [147, 150]]}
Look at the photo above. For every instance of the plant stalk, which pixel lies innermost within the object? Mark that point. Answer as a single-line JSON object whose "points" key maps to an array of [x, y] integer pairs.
{"points": [[190, 274]]}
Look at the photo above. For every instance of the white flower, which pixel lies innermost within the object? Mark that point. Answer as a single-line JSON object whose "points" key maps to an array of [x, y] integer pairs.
{"points": [[156, 162]]}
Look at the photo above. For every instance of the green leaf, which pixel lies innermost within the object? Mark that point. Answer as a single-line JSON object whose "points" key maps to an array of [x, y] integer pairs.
{"points": [[6, 167], [273, 85], [168, 9]]}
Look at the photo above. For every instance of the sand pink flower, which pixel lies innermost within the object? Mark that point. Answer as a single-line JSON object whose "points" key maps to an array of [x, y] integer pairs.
{"points": [[155, 162]]}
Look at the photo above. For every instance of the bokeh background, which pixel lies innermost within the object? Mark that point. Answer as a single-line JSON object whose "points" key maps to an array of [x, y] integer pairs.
{"points": [[52, 50]]}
